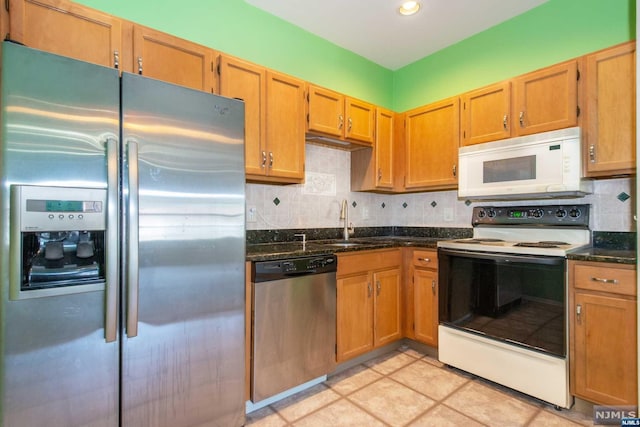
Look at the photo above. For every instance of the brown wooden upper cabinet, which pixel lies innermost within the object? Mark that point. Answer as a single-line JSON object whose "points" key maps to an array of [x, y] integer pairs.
{"points": [[432, 136], [535, 102], [546, 99], [274, 129], [67, 29], [485, 114], [610, 120], [333, 114], [372, 170], [172, 59]]}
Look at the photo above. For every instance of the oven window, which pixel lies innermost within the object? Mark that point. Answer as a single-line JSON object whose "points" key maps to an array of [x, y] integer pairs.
{"points": [[513, 169], [516, 299]]}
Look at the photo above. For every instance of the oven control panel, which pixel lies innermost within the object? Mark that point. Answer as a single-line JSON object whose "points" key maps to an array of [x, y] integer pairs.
{"points": [[548, 215]]}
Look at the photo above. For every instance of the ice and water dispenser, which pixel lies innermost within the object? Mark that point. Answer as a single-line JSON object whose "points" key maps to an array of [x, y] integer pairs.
{"points": [[57, 240]]}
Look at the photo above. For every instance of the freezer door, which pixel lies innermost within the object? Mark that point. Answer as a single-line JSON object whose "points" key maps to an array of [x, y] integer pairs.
{"points": [[183, 207], [56, 367]]}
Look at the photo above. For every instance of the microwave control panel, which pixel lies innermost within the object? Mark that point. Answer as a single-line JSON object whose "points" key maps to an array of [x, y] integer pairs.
{"points": [[523, 216]]}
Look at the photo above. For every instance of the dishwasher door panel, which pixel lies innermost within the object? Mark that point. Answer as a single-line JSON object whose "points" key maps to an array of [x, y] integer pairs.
{"points": [[294, 332]]}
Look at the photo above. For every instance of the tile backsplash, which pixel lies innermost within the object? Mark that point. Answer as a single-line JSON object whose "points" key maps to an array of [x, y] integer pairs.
{"points": [[316, 203]]}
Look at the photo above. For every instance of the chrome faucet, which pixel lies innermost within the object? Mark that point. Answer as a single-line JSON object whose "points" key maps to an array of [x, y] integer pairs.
{"points": [[344, 215]]}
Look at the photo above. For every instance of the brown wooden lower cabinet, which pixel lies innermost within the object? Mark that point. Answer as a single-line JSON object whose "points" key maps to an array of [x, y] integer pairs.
{"points": [[368, 301], [603, 332], [421, 290]]}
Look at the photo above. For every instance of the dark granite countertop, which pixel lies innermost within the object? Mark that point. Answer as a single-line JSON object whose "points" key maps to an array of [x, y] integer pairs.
{"points": [[612, 247], [270, 251], [604, 255]]}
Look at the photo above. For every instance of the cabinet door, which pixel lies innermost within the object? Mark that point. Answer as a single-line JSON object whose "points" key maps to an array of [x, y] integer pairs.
{"points": [[605, 349], [546, 99], [326, 111], [384, 148], [285, 127], [431, 145], [67, 29], [373, 169], [246, 81], [360, 120], [171, 59], [610, 139], [485, 114], [425, 288], [354, 316], [387, 323]]}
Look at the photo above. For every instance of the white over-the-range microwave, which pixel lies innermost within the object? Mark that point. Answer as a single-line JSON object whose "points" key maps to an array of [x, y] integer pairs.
{"points": [[544, 165]]}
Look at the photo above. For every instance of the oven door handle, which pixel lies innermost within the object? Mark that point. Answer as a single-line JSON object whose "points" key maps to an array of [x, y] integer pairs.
{"points": [[506, 258]]}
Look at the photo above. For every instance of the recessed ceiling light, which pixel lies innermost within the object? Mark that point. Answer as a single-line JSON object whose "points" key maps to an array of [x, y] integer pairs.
{"points": [[409, 8]]}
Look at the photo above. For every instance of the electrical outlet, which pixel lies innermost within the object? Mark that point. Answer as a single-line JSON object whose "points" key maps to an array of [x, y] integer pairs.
{"points": [[252, 212], [448, 214]]}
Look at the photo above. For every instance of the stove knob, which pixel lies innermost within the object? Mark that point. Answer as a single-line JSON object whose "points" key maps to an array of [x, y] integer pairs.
{"points": [[561, 213], [575, 213], [538, 213], [481, 214], [491, 213]]}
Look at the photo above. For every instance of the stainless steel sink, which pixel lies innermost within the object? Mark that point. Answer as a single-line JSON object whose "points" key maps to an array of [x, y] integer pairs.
{"points": [[345, 244]]}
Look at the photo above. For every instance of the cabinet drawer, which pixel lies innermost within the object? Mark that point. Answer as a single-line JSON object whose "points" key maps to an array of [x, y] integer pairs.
{"points": [[351, 263], [599, 277], [425, 259]]}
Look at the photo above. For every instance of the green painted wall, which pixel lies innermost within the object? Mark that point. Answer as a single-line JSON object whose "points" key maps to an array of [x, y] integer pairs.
{"points": [[237, 28], [553, 32]]}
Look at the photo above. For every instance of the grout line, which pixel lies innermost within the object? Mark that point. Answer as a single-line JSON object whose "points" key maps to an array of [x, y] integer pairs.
{"points": [[540, 406]]}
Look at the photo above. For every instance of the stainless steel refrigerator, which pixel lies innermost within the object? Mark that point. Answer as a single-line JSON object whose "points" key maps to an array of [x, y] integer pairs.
{"points": [[123, 246]]}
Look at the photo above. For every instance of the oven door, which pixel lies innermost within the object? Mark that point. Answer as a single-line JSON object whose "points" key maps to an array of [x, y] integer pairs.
{"points": [[517, 299]]}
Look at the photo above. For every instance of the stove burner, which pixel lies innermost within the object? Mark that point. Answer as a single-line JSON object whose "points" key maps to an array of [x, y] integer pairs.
{"points": [[479, 240], [543, 244]]}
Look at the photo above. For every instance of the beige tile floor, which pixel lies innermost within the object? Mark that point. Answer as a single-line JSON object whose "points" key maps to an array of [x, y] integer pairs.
{"points": [[408, 388]]}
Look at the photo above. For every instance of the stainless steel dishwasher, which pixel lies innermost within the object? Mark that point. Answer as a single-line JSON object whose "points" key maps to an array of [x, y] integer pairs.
{"points": [[294, 323]]}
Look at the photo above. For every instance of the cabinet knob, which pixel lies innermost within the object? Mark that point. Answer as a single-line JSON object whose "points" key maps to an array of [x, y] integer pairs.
{"points": [[424, 259], [116, 59], [139, 64], [455, 170], [270, 159], [378, 288], [504, 121], [379, 174], [433, 286], [340, 121], [369, 289], [350, 124], [264, 159], [521, 119]]}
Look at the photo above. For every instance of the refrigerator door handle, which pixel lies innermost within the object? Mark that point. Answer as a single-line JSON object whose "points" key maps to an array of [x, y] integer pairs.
{"points": [[111, 252], [132, 240]]}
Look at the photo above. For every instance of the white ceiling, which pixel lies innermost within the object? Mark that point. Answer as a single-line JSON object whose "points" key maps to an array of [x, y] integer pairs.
{"points": [[375, 30]]}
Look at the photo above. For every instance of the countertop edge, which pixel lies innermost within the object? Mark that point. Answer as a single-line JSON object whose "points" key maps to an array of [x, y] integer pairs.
{"points": [[280, 250]]}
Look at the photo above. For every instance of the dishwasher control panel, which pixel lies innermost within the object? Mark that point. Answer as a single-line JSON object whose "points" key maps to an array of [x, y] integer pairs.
{"points": [[264, 271]]}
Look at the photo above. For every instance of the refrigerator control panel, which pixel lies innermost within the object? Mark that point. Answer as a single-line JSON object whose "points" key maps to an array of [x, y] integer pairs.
{"points": [[38, 208]]}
